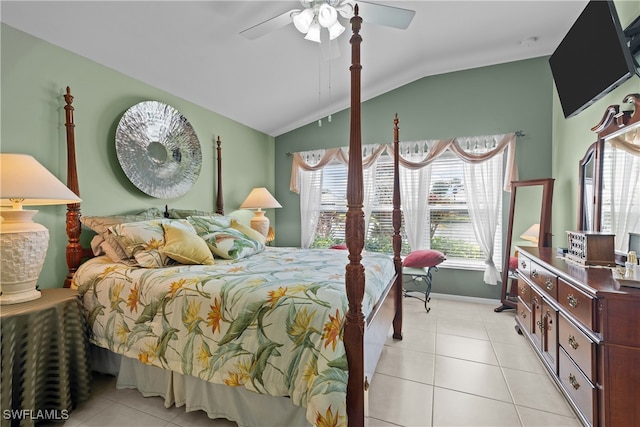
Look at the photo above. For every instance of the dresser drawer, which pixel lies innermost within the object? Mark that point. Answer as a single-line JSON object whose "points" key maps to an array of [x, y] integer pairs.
{"points": [[524, 265], [578, 346], [524, 315], [579, 388], [546, 280], [524, 293], [577, 303]]}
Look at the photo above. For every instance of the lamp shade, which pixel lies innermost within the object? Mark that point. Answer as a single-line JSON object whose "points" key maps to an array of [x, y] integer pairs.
{"points": [[25, 182], [260, 198], [532, 233], [24, 243]]}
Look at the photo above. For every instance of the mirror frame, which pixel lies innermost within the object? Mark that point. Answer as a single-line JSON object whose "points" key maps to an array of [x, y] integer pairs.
{"points": [[594, 153], [544, 237], [614, 122]]}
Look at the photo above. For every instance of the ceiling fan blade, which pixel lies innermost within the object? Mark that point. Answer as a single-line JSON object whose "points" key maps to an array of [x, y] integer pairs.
{"points": [[388, 16], [269, 25]]}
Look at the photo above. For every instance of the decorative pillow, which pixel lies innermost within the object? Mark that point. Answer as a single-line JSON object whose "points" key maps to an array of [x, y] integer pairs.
{"points": [[422, 258], [185, 213], [513, 263], [185, 247], [232, 241], [110, 245], [143, 240]]}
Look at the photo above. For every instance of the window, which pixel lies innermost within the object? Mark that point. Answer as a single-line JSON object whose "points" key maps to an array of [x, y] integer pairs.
{"points": [[449, 228]]}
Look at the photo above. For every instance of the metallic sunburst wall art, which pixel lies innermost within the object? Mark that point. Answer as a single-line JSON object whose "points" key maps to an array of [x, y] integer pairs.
{"points": [[158, 149]]}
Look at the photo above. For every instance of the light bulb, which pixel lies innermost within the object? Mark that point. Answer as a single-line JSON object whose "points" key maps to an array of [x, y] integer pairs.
{"points": [[314, 32], [335, 30], [327, 15], [302, 20]]}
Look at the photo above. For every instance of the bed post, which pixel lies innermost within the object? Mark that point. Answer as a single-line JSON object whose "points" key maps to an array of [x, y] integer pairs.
{"points": [[219, 202], [397, 223], [74, 248], [354, 279]]}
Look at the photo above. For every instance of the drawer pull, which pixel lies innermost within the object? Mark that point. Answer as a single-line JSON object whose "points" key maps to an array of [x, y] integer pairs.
{"points": [[523, 290], [534, 274], [549, 283], [523, 264], [573, 342], [523, 314], [574, 382], [540, 325], [573, 301]]}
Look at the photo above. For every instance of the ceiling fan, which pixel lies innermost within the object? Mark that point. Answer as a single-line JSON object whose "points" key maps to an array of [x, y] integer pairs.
{"points": [[318, 14]]}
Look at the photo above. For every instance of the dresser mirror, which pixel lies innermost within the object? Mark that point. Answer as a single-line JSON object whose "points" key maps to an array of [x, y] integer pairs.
{"points": [[588, 191], [529, 224], [610, 198]]}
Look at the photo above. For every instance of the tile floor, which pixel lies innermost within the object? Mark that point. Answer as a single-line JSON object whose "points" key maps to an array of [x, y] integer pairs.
{"points": [[462, 364]]}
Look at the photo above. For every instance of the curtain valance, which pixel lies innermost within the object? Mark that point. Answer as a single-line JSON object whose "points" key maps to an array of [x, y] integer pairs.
{"points": [[435, 148]]}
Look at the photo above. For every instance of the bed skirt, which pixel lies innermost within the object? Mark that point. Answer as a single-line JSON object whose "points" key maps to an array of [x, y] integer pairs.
{"points": [[218, 401]]}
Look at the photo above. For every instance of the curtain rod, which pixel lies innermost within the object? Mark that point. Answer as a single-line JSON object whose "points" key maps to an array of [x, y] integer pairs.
{"points": [[518, 133]]}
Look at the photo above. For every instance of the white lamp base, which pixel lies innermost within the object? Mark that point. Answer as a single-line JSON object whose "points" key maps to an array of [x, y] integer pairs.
{"points": [[23, 246], [260, 223]]}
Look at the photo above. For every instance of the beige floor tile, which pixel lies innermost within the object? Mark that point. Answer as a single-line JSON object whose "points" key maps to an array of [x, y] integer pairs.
{"points": [[453, 408], [475, 378], [401, 402], [462, 328], [505, 332], [406, 364], [415, 339], [534, 418], [518, 356], [536, 391], [122, 415], [465, 348]]}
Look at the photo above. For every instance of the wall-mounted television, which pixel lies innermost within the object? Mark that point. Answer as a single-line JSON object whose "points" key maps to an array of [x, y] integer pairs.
{"points": [[592, 59]]}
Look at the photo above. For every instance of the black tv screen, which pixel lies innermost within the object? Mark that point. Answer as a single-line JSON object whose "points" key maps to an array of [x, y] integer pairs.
{"points": [[592, 59]]}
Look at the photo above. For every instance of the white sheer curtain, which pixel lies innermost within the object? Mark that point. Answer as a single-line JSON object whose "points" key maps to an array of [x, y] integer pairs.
{"points": [[625, 190], [415, 183], [484, 199], [306, 180], [310, 196]]}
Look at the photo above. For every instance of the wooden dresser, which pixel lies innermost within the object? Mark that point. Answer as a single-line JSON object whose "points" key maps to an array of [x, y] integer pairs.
{"points": [[586, 329]]}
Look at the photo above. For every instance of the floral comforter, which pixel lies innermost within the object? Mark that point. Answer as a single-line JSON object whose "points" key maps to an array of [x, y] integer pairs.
{"points": [[271, 323]]}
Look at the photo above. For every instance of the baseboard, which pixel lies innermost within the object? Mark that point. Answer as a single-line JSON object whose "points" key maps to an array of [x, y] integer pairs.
{"points": [[463, 298]]}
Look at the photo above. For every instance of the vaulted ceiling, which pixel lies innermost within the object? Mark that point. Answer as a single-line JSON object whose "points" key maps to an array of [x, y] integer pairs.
{"points": [[278, 82]]}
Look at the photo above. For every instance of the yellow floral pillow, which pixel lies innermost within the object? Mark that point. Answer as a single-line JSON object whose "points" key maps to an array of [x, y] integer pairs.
{"points": [[227, 238], [144, 240], [185, 246]]}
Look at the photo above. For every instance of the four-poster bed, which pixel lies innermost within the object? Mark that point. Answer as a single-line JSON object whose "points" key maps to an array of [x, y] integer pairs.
{"points": [[363, 334]]}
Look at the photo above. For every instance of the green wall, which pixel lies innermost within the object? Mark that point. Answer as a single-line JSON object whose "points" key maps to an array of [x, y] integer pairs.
{"points": [[34, 76], [503, 98], [572, 137]]}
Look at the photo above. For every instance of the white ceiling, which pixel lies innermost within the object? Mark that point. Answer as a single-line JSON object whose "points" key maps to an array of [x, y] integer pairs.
{"points": [[276, 83]]}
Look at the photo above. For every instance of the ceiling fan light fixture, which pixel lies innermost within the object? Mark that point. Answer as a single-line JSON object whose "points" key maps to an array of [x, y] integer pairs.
{"points": [[303, 20], [345, 9], [335, 30], [314, 32], [327, 15]]}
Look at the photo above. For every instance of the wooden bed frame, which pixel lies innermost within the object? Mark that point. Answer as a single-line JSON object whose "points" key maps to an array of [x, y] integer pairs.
{"points": [[359, 333]]}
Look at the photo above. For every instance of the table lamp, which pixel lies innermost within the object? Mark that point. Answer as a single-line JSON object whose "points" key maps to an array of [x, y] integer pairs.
{"points": [[260, 198], [532, 234], [23, 243]]}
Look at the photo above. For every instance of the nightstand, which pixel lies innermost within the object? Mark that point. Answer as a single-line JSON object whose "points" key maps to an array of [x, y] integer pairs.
{"points": [[45, 358]]}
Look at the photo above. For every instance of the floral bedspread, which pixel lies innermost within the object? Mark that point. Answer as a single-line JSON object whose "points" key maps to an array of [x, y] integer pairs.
{"points": [[271, 323]]}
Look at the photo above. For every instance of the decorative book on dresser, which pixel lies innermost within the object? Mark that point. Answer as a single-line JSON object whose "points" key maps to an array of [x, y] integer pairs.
{"points": [[585, 327]]}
